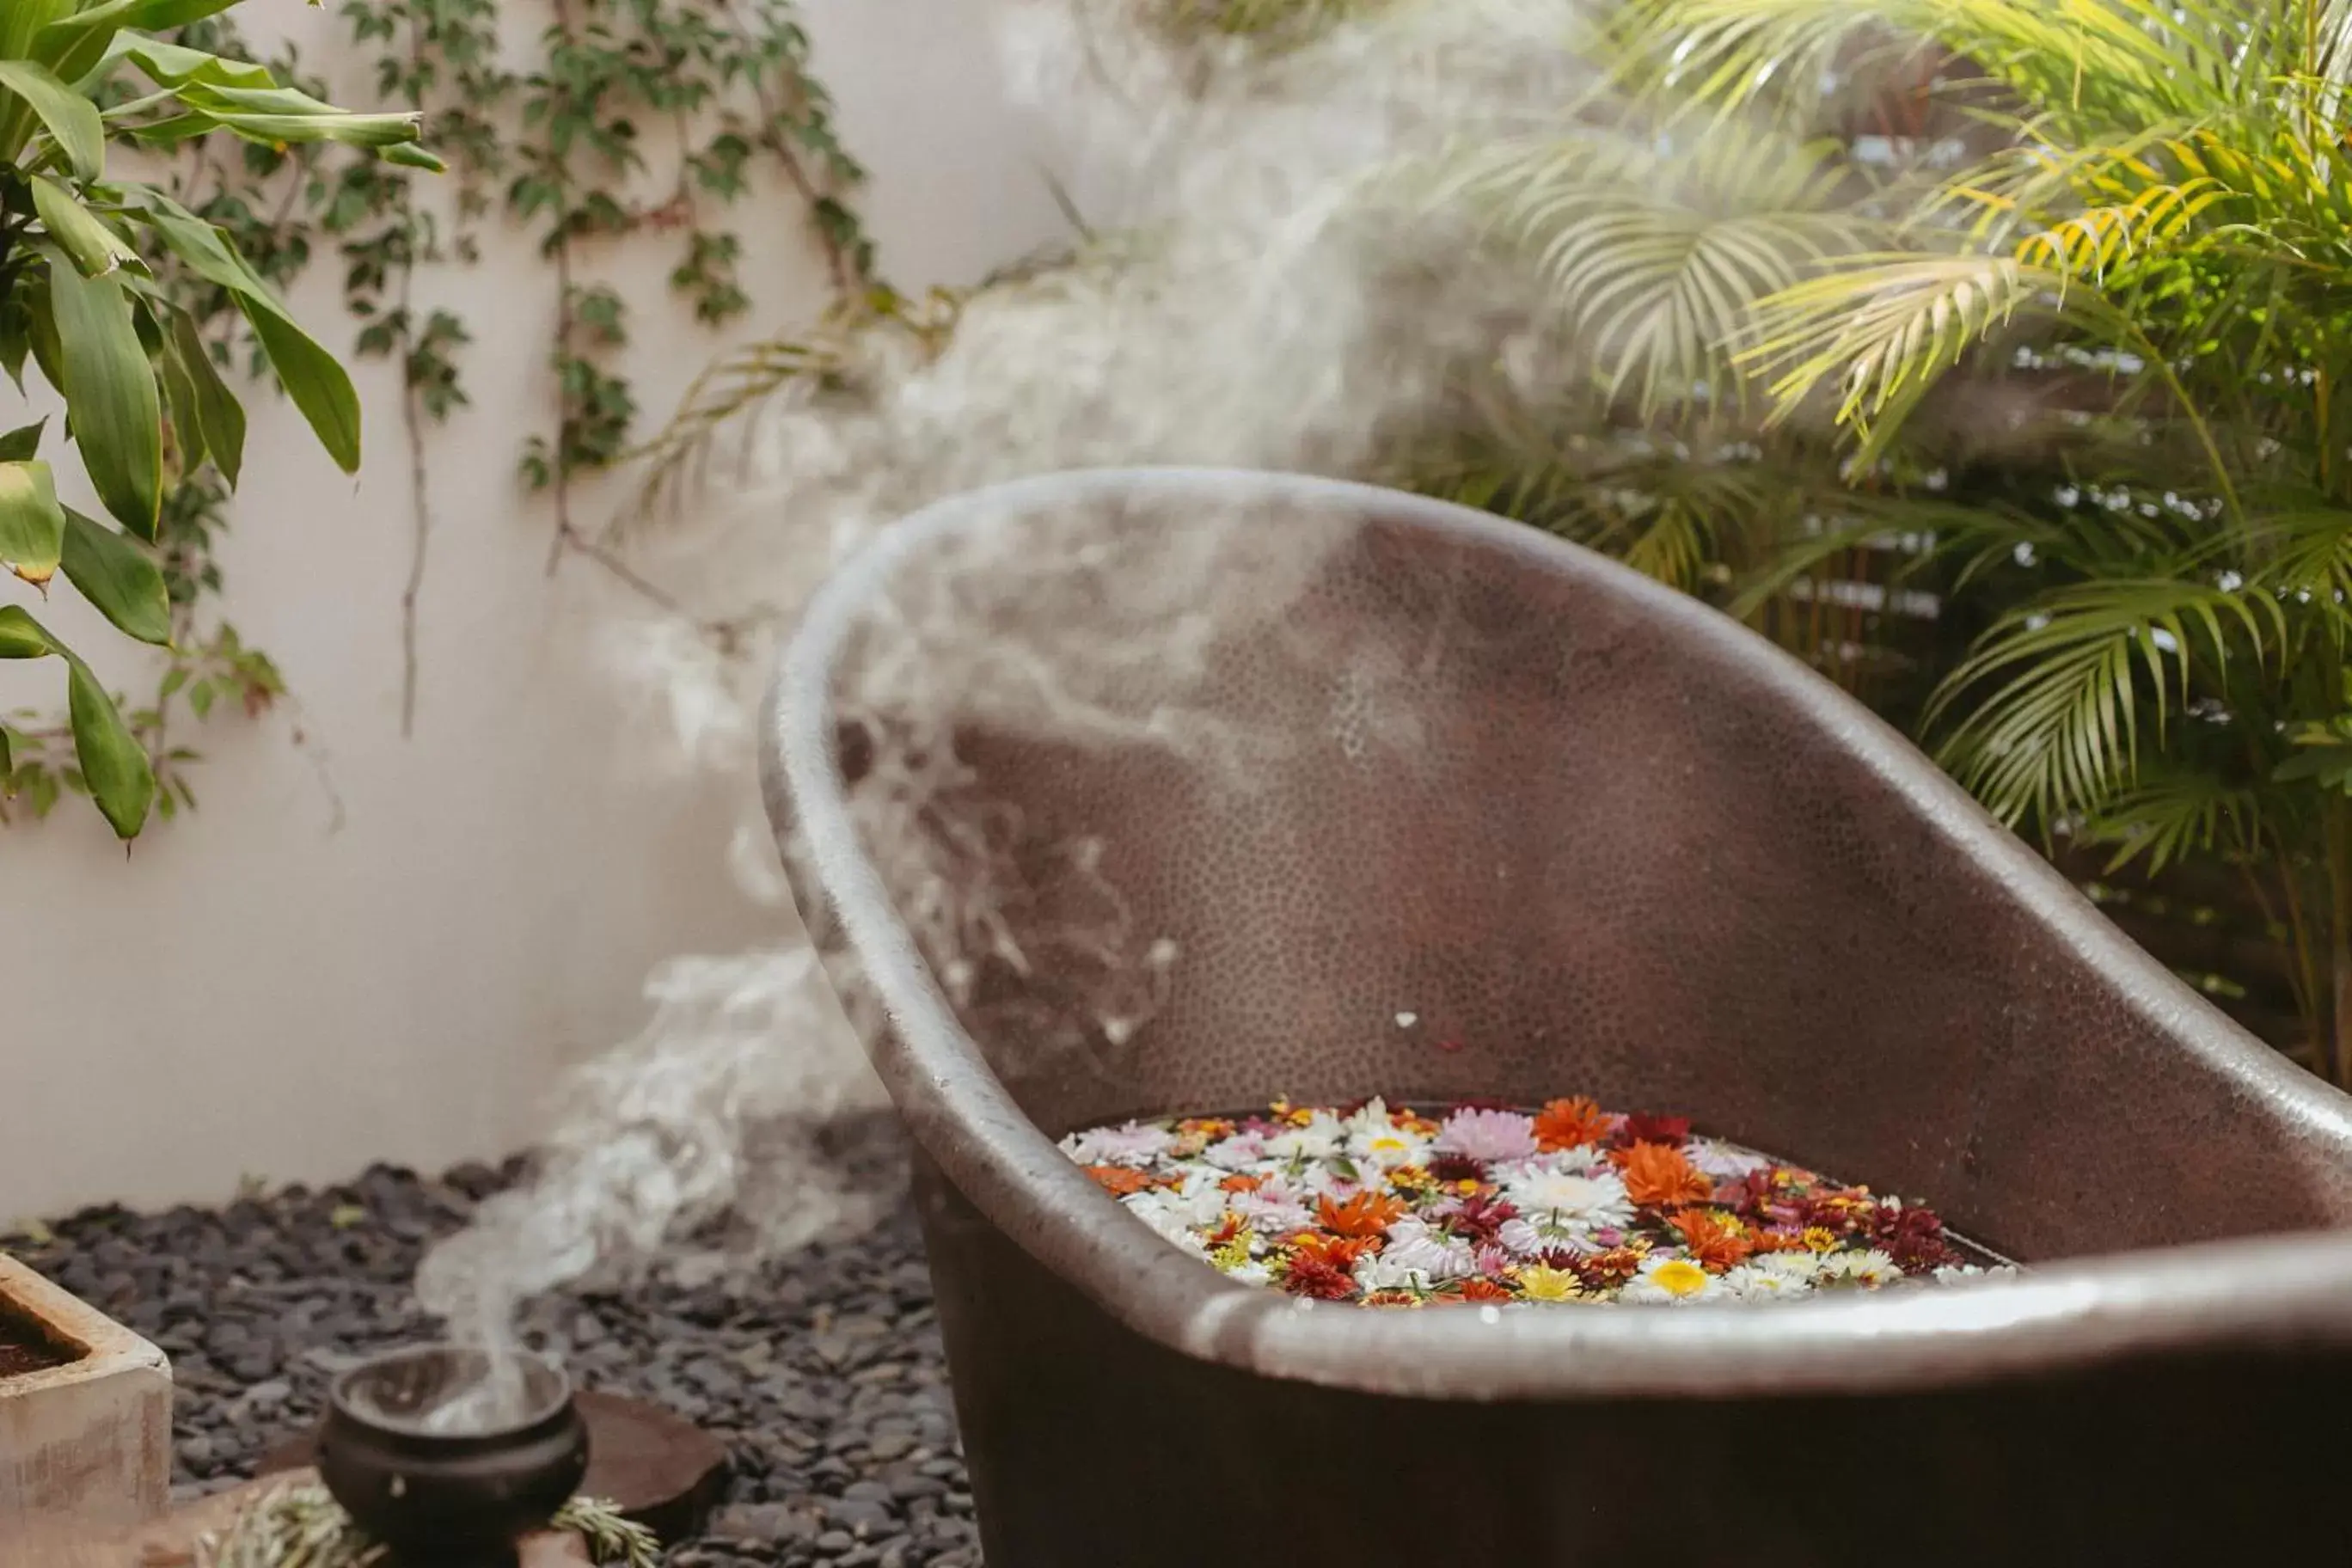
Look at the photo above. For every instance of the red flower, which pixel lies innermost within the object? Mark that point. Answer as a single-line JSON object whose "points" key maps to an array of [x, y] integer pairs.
{"points": [[1310, 1276], [1367, 1214], [1569, 1124], [1914, 1238], [1457, 1168], [1479, 1289], [1479, 1216], [1241, 1181], [1603, 1270], [1656, 1129]]}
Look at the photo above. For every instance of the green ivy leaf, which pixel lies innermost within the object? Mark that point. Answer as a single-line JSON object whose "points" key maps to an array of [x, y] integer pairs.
{"points": [[119, 577], [22, 443], [31, 523], [96, 249], [71, 118], [112, 404]]}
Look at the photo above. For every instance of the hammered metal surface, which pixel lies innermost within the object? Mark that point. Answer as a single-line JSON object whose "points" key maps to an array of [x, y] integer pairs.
{"points": [[1513, 824]]}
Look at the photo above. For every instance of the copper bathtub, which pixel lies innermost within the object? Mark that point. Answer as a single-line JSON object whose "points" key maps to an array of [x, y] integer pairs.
{"points": [[1600, 840]]}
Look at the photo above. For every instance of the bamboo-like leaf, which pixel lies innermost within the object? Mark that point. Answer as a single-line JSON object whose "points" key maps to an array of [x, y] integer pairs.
{"points": [[32, 524], [219, 414], [96, 249], [116, 416], [119, 577], [72, 120], [23, 443], [113, 764], [73, 46]]}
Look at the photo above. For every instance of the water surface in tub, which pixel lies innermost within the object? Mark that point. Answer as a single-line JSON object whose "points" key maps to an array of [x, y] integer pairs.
{"points": [[1499, 1204]]}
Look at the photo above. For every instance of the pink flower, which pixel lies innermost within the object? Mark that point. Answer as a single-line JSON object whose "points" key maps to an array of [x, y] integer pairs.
{"points": [[1488, 1135]]}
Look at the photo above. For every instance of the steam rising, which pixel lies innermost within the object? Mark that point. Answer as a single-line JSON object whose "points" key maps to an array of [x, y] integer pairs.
{"points": [[1285, 302]]}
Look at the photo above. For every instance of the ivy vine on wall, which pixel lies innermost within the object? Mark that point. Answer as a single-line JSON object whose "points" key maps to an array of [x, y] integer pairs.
{"points": [[691, 103]]}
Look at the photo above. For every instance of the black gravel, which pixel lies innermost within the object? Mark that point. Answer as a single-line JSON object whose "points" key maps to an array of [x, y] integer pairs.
{"points": [[823, 1372]]}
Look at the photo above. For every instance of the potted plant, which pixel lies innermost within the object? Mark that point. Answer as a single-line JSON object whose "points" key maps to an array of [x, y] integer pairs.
{"points": [[86, 86], [81, 246]]}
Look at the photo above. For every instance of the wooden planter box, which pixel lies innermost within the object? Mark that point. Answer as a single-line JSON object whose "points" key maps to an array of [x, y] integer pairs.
{"points": [[87, 1442]]}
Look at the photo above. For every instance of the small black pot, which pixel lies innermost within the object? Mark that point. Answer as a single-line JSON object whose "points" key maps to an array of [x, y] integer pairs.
{"points": [[449, 1497]]}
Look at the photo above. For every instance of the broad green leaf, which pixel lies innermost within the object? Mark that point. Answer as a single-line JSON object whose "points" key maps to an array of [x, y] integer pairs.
{"points": [[380, 131], [22, 20], [16, 340], [319, 387], [95, 248], [71, 118], [220, 414], [23, 443], [112, 404], [41, 328], [409, 156], [73, 46], [7, 765], [113, 764], [170, 65], [31, 521], [21, 636], [180, 399], [119, 577]]}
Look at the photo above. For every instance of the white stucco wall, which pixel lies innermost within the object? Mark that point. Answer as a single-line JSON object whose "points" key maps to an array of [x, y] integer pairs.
{"points": [[258, 990]]}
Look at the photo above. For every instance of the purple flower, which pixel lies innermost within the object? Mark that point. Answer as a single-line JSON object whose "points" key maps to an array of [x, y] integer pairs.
{"points": [[1488, 1135]]}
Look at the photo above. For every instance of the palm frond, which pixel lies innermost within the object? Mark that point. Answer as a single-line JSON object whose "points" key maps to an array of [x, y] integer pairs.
{"points": [[1884, 327], [2176, 813], [2071, 670], [1656, 253]]}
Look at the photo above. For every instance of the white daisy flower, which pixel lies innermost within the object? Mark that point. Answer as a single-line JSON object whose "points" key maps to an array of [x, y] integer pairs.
{"points": [[1133, 1145], [1238, 1152], [1250, 1274], [1670, 1280], [1557, 1203], [1868, 1270], [1414, 1247], [1752, 1282], [1319, 1139], [1388, 1146], [1798, 1268], [1168, 1219]]}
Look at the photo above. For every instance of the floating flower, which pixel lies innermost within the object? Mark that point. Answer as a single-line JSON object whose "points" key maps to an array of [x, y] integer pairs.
{"points": [[1492, 1205], [1119, 1180], [1749, 1283], [1868, 1270], [1133, 1145], [1654, 1129], [1570, 1124], [1658, 1176], [1669, 1279], [1365, 1215], [1542, 1282], [1714, 1238], [1487, 1136], [1564, 1207]]}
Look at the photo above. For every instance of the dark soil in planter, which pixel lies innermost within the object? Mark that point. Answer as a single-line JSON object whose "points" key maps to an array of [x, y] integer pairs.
{"points": [[25, 1348], [822, 1371]]}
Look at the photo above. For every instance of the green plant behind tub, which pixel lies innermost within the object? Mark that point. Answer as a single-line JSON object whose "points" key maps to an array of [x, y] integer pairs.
{"points": [[85, 245]]}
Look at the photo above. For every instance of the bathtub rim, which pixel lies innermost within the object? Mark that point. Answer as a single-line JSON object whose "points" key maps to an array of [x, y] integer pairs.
{"points": [[2070, 1312]]}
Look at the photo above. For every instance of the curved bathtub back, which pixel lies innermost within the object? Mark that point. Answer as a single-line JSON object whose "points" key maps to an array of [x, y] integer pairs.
{"points": [[1463, 811]]}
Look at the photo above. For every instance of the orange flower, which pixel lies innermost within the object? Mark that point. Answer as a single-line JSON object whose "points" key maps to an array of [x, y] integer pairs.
{"points": [[1206, 1126], [1241, 1181], [1777, 1239], [1229, 1228], [1569, 1124], [1338, 1251], [1364, 1215], [1414, 1121], [1117, 1180], [1656, 1175], [1479, 1289], [1391, 1298], [1715, 1239]]}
